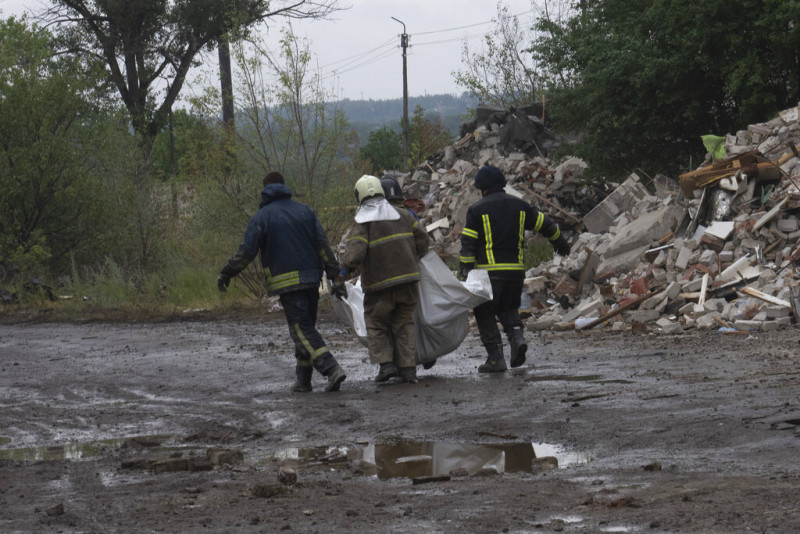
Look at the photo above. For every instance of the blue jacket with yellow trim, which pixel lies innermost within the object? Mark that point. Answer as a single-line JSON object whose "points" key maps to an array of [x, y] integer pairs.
{"points": [[493, 237], [294, 248]]}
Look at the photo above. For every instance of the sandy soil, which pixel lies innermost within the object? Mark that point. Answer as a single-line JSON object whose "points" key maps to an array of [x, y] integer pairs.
{"points": [[188, 426]]}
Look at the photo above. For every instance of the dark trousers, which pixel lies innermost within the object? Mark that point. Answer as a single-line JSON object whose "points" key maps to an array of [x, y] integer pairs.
{"points": [[503, 306], [300, 309]]}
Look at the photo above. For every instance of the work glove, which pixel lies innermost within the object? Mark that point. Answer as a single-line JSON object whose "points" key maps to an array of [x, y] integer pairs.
{"points": [[222, 282], [338, 289], [464, 270], [561, 246]]}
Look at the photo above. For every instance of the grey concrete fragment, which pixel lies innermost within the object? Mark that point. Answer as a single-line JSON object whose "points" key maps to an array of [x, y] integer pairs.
{"points": [[622, 198], [645, 230], [751, 326], [642, 316]]}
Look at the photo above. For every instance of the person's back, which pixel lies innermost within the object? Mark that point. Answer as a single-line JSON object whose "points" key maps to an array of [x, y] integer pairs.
{"points": [[386, 243], [294, 252], [289, 236], [493, 238], [393, 250]]}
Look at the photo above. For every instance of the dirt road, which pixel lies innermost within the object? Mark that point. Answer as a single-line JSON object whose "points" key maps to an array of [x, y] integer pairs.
{"points": [[184, 426]]}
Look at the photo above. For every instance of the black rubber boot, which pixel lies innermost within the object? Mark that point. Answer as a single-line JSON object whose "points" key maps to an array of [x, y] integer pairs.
{"points": [[496, 362], [388, 370], [409, 375], [518, 346], [302, 383], [335, 376]]}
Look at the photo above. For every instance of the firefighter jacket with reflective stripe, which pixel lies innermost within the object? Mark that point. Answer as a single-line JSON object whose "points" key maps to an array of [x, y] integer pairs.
{"points": [[294, 248], [386, 251], [493, 237]]}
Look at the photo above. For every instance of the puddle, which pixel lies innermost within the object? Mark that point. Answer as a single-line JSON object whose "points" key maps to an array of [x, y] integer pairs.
{"points": [[413, 459], [76, 451]]}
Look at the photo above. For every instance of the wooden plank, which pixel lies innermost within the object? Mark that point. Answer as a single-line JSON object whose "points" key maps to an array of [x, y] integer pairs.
{"points": [[703, 289], [621, 309], [766, 298]]}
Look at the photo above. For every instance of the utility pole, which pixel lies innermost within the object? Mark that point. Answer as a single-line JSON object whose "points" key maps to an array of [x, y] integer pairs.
{"points": [[404, 45]]}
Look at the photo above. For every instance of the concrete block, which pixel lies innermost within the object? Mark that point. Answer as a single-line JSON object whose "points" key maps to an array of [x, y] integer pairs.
{"points": [[682, 261], [750, 326]]}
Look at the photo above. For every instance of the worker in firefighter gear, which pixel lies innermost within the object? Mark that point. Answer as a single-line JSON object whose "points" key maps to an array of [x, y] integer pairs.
{"points": [[294, 253], [386, 243], [493, 238]]}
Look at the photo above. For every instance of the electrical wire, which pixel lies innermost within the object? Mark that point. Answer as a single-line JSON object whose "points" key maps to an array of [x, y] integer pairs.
{"points": [[357, 61]]}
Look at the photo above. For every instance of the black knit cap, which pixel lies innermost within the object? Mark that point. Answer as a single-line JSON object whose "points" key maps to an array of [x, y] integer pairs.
{"points": [[490, 177]]}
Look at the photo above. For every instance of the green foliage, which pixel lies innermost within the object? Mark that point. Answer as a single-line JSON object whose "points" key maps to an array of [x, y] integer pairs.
{"points": [[50, 203], [148, 41], [502, 74], [642, 81], [426, 135], [383, 150], [538, 250]]}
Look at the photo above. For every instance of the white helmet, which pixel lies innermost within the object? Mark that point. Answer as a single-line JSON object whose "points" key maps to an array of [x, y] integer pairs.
{"points": [[368, 186]]}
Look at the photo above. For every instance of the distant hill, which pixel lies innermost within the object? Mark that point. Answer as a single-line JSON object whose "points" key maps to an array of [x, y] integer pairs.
{"points": [[369, 115]]}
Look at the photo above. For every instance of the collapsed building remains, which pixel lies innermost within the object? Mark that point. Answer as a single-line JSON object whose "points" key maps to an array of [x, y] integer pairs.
{"points": [[716, 248]]}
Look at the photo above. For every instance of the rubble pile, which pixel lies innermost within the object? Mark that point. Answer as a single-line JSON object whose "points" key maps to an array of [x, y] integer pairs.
{"points": [[716, 248]]}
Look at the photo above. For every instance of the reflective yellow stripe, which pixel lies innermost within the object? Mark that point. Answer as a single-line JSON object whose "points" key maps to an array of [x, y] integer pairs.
{"points": [[487, 231], [539, 221], [469, 232], [556, 235], [501, 266], [282, 280], [393, 279], [307, 344], [467, 259], [390, 238], [520, 257]]}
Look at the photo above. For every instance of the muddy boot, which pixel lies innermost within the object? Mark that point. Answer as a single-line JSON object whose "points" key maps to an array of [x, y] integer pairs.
{"points": [[409, 375], [335, 378], [302, 383], [518, 346], [388, 370], [496, 362]]}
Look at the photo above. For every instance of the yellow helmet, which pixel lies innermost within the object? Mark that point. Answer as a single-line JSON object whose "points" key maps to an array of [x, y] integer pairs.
{"points": [[368, 186]]}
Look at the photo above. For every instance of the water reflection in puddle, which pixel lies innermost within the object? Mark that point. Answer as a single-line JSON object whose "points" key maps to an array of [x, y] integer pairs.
{"points": [[414, 459], [78, 450]]}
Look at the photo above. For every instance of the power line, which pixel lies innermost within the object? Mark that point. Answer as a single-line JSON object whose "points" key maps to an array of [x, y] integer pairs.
{"points": [[355, 62]]}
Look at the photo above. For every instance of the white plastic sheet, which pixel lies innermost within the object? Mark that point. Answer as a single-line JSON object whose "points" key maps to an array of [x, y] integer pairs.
{"points": [[441, 317]]}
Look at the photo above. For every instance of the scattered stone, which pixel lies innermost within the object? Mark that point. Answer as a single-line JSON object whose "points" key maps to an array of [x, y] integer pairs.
{"points": [[287, 476], [268, 491], [58, 509]]}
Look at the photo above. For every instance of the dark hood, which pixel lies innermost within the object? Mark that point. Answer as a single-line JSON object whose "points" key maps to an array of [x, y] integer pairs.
{"points": [[274, 192]]}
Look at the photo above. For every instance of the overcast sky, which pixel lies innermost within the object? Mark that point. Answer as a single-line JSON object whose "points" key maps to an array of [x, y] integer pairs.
{"points": [[359, 55]]}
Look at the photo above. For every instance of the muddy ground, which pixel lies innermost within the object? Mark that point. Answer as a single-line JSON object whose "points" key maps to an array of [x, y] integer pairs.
{"points": [[183, 426]]}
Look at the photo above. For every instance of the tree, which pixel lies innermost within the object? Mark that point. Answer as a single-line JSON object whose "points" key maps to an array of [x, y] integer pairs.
{"points": [[502, 74], [383, 150], [641, 81], [149, 44], [287, 123], [427, 134], [49, 206]]}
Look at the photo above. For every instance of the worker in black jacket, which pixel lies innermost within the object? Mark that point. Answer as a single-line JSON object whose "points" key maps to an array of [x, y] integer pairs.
{"points": [[493, 238], [294, 253]]}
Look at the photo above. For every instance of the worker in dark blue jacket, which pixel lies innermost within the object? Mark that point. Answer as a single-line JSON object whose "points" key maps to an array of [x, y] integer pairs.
{"points": [[493, 238], [294, 253]]}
